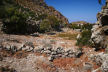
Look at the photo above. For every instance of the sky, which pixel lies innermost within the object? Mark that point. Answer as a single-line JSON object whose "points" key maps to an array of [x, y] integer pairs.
{"points": [[77, 10]]}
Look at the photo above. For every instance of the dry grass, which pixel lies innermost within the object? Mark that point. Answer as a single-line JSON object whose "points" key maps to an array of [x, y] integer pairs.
{"points": [[68, 36]]}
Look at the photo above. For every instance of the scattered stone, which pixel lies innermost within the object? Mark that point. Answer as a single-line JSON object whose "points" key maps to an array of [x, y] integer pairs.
{"points": [[104, 66], [88, 66], [35, 34]]}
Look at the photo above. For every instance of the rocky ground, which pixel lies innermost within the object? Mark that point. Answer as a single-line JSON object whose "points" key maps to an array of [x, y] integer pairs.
{"points": [[47, 53]]}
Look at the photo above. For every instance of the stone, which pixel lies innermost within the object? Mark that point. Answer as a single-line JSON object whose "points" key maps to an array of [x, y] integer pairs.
{"points": [[35, 34], [50, 58], [78, 53], [101, 59], [13, 48], [47, 51], [104, 66], [54, 53], [100, 30], [66, 54], [49, 48], [88, 66], [7, 47], [70, 52], [78, 36], [71, 55]]}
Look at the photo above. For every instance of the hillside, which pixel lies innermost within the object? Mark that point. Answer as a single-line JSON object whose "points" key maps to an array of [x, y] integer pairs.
{"points": [[40, 7], [29, 16]]}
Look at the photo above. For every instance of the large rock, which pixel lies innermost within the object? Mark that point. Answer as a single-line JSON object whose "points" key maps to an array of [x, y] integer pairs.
{"points": [[100, 29]]}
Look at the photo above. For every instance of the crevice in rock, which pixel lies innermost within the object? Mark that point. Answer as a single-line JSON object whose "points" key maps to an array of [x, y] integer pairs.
{"points": [[104, 20]]}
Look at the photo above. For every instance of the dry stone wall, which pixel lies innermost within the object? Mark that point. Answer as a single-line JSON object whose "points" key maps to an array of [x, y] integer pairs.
{"points": [[51, 52]]}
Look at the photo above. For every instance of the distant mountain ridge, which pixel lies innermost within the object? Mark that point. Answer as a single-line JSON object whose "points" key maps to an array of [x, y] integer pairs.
{"points": [[40, 7], [80, 22]]}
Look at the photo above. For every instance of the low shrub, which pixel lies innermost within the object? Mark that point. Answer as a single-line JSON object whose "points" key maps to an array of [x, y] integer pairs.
{"points": [[45, 26], [85, 39], [82, 27], [51, 23], [14, 17], [74, 26]]}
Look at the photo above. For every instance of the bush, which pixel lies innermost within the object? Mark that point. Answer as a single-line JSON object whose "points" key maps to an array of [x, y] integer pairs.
{"points": [[74, 26], [45, 26], [14, 17], [85, 39], [14, 21], [82, 27], [55, 23], [51, 23], [87, 26]]}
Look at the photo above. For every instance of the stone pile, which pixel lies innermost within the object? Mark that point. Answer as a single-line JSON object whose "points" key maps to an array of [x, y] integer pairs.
{"points": [[51, 52], [14, 47], [54, 53]]}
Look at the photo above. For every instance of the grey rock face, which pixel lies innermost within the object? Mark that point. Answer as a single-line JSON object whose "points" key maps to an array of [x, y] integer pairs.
{"points": [[100, 30]]}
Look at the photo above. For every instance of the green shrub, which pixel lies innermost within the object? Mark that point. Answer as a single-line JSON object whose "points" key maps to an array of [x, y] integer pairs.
{"points": [[42, 16], [15, 22], [82, 27], [74, 26], [85, 39], [51, 23], [14, 17], [55, 23], [45, 26], [87, 26]]}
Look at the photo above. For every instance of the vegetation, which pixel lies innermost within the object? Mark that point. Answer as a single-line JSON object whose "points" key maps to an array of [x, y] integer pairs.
{"points": [[45, 26], [7, 69], [85, 39], [15, 19], [82, 27], [51, 23]]}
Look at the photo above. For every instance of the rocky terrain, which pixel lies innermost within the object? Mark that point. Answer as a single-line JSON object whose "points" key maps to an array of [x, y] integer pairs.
{"points": [[46, 53], [55, 51], [40, 7]]}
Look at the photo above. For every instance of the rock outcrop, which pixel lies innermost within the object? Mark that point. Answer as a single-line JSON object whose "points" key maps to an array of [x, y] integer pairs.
{"points": [[100, 29]]}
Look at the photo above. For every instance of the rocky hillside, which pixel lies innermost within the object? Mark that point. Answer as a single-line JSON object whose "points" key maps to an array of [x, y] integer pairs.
{"points": [[40, 7], [29, 16]]}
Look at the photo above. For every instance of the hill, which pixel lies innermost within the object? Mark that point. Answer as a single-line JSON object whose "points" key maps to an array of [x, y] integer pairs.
{"points": [[40, 7], [29, 16], [80, 22]]}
